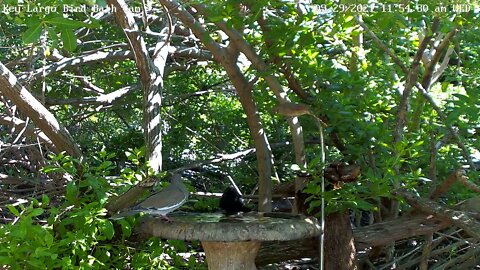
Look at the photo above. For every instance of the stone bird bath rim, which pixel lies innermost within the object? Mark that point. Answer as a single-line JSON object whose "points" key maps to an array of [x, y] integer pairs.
{"points": [[231, 242]]}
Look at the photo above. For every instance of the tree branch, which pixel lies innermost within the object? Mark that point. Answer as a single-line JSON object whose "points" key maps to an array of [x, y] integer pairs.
{"points": [[106, 99], [457, 218], [31, 107], [102, 56], [412, 77], [430, 67], [445, 185], [443, 117], [244, 91]]}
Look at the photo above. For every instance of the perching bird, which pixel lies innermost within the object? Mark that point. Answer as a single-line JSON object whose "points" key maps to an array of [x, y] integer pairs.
{"points": [[161, 203], [232, 201]]}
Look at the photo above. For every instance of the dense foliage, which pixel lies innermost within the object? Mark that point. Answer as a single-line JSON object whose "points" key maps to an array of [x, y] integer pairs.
{"points": [[58, 218]]}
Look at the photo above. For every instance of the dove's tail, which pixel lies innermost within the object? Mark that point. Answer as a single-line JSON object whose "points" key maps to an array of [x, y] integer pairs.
{"points": [[124, 214]]}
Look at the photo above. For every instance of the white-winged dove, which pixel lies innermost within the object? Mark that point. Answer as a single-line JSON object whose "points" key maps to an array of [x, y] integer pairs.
{"points": [[162, 202]]}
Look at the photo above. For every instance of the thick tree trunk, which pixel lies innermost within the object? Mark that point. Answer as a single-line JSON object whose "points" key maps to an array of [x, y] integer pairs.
{"points": [[339, 249], [151, 75], [264, 152]]}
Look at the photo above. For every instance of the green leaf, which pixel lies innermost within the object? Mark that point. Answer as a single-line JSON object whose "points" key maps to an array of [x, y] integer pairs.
{"points": [[13, 209], [48, 239], [71, 192], [126, 227], [69, 39], [52, 35], [32, 34], [45, 200], [363, 205], [52, 169], [36, 212], [5, 260], [66, 23], [108, 229], [105, 165], [42, 252], [36, 263], [315, 204], [21, 231]]}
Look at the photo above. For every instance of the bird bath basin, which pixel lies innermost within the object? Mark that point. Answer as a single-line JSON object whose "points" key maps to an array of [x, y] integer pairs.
{"points": [[231, 242]]}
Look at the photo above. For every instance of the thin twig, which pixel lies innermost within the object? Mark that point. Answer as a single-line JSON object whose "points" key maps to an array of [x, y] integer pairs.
{"points": [[443, 117], [445, 185], [468, 184], [381, 45], [427, 248]]}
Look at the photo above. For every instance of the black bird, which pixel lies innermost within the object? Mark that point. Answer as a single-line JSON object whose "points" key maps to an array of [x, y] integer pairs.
{"points": [[232, 201]]}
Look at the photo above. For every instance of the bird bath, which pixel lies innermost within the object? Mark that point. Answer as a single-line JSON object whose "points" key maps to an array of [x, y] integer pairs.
{"points": [[231, 242]]}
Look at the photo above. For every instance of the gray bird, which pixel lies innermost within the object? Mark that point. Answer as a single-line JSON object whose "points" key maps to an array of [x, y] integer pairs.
{"points": [[161, 203]]}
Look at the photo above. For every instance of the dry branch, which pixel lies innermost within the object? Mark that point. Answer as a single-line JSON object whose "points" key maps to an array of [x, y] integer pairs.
{"points": [[31, 107], [445, 185], [412, 77], [458, 218], [103, 56], [468, 184], [17, 125], [456, 176], [396, 229], [106, 99], [430, 66], [443, 117], [378, 234]]}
